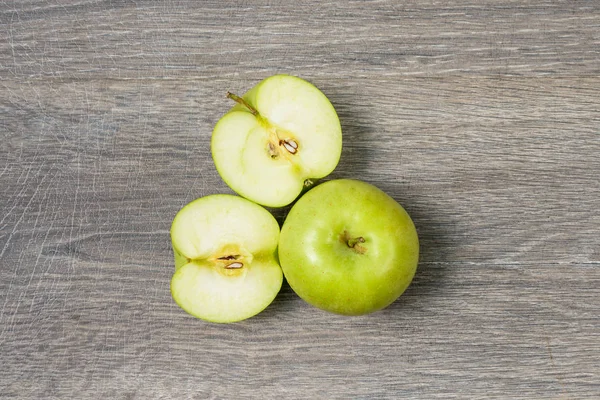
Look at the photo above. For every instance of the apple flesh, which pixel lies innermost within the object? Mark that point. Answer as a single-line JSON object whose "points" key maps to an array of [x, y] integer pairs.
{"points": [[226, 267], [348, 248], [279, 136]]}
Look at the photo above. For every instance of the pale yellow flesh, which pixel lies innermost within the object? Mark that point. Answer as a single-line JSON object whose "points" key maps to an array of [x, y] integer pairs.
{"points": [[240, 151], [206, 293], [213, 227], [289, 108], [211, 223]]}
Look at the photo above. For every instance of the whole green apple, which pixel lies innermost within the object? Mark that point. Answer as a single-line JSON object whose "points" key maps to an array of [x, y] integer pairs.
{"points": [[283, 134], [348, 248]]}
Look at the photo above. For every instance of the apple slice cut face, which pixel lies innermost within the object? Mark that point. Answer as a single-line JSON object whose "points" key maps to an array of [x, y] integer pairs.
{"points": [[289, 134], [225, 258], [240, 147]]}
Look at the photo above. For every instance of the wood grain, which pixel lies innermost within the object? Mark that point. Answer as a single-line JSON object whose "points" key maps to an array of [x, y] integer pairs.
{"points": [[481, 118]]}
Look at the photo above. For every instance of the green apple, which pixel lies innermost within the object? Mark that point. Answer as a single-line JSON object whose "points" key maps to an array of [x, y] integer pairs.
{"points": [[283, 134], [226, 266], [348, 248]]}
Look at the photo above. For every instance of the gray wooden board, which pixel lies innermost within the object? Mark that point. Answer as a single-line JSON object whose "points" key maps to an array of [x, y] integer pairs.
{"points": [[482, 118]]}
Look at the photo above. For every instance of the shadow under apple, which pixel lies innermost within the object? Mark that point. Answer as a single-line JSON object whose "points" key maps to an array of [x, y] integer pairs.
{"points": [[435, 241]]}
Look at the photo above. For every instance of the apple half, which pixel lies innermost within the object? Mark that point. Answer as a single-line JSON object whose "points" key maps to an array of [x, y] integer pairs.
{"points": [[282, 135], [226, 266]]}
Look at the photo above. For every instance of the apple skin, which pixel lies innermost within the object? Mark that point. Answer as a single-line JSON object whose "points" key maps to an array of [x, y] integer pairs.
{"points": [[325, 271]]}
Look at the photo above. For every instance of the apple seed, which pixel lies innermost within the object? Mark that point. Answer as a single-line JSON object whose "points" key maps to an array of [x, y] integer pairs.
{"points": [[290, 145], [235, 265]]}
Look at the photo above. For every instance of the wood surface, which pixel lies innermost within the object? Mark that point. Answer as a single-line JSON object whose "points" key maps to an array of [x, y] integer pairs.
{"points": [[481, 117]]}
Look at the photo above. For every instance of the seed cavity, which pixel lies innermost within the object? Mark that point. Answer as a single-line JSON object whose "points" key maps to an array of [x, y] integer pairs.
{"points": [[273, 150], [235, 265], [230, 257]]}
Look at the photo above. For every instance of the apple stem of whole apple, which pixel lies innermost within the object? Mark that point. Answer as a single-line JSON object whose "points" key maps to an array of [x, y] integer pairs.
{"points": [[353, 242], [243, 102]]}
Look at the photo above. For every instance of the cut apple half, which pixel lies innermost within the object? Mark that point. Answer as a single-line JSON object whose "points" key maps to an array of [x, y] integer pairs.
{"points": [[279, 136], [226, 266]]}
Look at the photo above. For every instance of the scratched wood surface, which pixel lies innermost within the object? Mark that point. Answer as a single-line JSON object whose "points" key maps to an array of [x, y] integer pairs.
{"points": [[481, 117]]}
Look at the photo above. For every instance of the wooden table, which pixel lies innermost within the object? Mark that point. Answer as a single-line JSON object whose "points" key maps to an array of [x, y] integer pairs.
{"points": [[481, 117]]}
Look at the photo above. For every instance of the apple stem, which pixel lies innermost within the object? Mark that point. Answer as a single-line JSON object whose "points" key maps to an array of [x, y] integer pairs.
{"points": [[353, 242], [243, 102]]}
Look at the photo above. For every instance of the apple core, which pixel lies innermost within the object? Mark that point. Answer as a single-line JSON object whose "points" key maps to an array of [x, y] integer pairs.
{"points": [[276, 143]]}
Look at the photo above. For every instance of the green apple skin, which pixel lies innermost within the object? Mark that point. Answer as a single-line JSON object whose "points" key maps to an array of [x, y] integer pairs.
{"points": [[226, 266], [326, 263], [282, 133]]}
